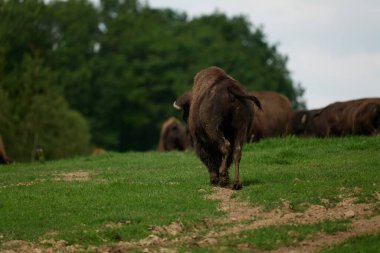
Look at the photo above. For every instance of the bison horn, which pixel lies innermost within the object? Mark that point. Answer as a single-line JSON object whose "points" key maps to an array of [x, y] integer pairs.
{"points": [[176, 106]]}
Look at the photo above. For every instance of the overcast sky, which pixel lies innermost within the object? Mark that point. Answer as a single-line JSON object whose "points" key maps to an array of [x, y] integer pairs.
{"points": [[333, 45]]}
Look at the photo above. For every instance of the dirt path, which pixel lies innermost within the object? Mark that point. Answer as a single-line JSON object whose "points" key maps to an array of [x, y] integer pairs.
{"points": [[239, 216], [241, 211]]}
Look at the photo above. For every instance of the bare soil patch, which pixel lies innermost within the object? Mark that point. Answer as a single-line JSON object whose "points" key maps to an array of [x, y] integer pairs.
{"points": [[67, 176], [73, 176], [45, 246], [284, 215]]}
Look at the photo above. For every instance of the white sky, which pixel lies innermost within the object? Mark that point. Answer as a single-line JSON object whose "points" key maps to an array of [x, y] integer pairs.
{"points": [[333, 45]]}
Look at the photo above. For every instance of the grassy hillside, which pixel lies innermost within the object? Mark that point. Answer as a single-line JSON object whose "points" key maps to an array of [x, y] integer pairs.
{"points": [[101, 200], [306, 170]]}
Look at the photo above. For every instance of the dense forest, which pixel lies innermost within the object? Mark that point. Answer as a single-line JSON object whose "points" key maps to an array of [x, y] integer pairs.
{"points": [[74, 75]]}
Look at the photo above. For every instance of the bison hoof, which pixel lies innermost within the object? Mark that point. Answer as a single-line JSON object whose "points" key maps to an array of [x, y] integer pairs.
{"points": [[237, 186], [214, 181], [223, 182]]}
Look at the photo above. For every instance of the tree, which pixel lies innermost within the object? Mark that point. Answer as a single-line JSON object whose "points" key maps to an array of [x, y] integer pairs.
{"points": [[121, 64], [34, 115]]}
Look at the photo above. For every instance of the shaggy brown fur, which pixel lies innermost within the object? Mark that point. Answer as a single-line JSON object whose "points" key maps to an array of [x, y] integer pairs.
{"points": [[274, 119], [366, 119], [173, 136], [220, 115]]}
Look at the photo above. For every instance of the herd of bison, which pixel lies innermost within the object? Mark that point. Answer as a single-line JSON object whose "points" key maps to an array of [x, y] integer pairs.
{"points": [[221, 116]]}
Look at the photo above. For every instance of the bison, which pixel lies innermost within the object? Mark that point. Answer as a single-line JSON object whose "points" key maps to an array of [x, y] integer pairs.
{"points": [[274, 119], [173, 136], [4, 159], [360, 116], [219, 119]]}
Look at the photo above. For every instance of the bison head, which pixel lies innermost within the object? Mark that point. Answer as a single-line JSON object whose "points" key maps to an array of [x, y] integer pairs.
{"points": [[183, 104]]}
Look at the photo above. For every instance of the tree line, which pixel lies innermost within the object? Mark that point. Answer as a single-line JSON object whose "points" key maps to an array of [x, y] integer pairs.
{"points": [[74, 75]]}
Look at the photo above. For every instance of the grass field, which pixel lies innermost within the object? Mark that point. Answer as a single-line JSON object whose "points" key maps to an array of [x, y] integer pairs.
{"points": [[150, 201]]}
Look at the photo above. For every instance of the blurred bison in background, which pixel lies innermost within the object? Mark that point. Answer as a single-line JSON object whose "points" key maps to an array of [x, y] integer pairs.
{"points": [[4, 159], [360, 116], [220, 116], [274, 119], [98, 151], [173, 136]]}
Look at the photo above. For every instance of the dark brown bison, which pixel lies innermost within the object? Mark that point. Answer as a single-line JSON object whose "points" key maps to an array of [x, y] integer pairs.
{"points": [[274, 119], [173, 136], [220, 115], [360, 116], [4, 159]]}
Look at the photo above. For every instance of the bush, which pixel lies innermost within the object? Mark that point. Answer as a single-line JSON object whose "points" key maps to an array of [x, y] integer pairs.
{"points": [[33, 115]]}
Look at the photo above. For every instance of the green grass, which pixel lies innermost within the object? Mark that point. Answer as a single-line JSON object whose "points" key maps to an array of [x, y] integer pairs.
{"points": [[138, 189], [360, 244], [273, 237], [304, 171], [142, 189]]}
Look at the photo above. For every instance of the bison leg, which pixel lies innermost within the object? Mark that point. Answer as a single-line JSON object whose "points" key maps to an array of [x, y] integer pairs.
{"points": [[224, 147], [214, 177], [210, 158], [237, 157]]}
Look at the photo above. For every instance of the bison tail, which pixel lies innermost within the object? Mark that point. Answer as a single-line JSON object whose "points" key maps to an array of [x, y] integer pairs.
{"points": [[240, 95], [256, 101]]}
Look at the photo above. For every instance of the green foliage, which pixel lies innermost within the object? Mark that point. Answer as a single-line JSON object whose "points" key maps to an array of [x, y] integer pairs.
{"points": [[121, 64], [34, 115]]}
